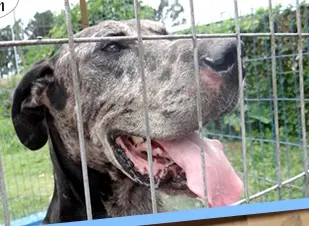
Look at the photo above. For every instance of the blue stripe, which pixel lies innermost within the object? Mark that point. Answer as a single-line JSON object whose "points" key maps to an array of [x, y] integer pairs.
{"points": [[199, 214], [32, 220], [181, 216]]}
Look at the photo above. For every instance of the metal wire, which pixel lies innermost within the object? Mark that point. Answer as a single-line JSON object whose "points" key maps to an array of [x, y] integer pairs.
{"points": [[154, 37], [286, 182], [302, 96], [145, 104], [241, 103], [273, 182], [5, 206], [198, 100], [78, 110], [275, 97], [71, 40], [258, 139]]}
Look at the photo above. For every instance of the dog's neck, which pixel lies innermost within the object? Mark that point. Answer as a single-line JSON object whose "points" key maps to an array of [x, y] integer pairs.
{"points": [[109, 198]]}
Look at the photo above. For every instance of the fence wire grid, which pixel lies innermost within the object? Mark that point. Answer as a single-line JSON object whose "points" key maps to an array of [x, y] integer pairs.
{"points": [[265, 138]]}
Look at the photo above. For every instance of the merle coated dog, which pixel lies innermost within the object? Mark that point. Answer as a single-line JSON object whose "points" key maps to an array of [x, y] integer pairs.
{"points": [[113, 116]]}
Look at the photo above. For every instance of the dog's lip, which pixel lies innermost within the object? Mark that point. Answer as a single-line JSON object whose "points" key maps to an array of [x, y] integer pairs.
{"points": [[113, 134], [165, 181]]}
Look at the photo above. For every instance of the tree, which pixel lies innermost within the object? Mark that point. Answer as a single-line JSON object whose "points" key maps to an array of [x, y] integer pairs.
{"points": [[6, 54], [40, 25], [99, 10], [51, 25], [168, 11]]}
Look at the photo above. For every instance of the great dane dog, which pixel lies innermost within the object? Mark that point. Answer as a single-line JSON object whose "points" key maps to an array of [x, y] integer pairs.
{"points": [[43, 110]]}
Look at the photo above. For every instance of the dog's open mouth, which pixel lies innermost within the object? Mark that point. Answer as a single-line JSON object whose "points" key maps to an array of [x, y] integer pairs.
{"points": [[177, 164]]}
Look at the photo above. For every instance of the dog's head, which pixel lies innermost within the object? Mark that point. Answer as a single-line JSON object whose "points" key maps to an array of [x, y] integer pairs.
{"points": [[113, 112]]}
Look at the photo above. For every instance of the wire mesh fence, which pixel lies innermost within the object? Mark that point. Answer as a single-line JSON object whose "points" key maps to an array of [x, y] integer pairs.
{"points": [[265, 139]]}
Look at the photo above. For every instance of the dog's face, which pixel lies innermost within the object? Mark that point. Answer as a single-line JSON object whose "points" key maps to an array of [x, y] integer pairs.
{"points": [[113, 112]]}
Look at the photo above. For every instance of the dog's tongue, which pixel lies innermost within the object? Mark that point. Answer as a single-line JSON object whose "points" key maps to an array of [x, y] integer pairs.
{"points": [[224, 187]]}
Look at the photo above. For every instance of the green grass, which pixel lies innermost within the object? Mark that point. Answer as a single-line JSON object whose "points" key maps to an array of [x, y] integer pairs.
{"points": [[262, 163], [29, 181], [28, 174]]}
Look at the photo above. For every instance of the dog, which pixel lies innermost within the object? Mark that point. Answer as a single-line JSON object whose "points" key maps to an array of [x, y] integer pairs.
{"points": [[113, 120]]}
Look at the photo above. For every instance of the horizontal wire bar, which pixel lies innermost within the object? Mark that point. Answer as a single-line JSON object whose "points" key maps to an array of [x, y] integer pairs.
{"points": [[256, 139], [259, 194], [154, 37], [279, 99], [265, 179], [281, 56]]}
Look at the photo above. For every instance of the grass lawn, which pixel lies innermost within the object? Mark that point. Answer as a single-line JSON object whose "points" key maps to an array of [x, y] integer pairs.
{"points": [[29, 182], [28, 174]]}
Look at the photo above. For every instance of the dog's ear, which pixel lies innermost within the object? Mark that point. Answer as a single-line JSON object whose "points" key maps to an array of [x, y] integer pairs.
{"points": [[155, 27], [28, 112]]}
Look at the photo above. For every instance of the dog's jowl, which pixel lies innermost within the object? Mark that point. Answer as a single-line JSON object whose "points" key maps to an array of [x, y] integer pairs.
{"points": [[113, 116]]}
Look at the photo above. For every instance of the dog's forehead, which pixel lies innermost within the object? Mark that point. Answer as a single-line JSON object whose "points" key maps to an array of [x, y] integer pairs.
{"points": [[106, 28], [111, 28], [125, 27]]}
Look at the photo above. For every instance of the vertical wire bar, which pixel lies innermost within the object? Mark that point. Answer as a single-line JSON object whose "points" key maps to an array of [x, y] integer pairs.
{"points": [[75, 78], [198, 99], [275, 96], [14, 47], [241, 103], [5, 206], [287, 147], [301, 90], [145, 103]]}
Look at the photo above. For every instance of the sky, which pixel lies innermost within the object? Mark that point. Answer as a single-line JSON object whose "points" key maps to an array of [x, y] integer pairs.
{"points": [[206, 11]]}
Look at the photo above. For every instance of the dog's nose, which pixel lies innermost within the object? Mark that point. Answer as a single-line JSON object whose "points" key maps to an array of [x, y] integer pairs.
{"points": [[222, 55]]}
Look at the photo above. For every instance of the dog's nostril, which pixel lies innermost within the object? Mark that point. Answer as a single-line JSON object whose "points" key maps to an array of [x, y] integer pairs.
{"points": [[222, 55], [220, 63]]}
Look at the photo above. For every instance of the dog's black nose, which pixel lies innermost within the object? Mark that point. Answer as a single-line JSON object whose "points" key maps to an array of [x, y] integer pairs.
{"points": [[221, 55]]}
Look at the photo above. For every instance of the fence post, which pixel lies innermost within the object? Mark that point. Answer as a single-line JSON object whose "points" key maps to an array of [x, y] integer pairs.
{"points": [[83, 10]]}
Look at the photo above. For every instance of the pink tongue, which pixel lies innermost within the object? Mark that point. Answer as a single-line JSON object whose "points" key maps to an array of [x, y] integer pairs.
{"points": [[224, 187]]}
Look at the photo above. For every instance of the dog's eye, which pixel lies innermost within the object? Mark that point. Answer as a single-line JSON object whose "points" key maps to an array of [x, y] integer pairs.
{"points": [[113, 47]]}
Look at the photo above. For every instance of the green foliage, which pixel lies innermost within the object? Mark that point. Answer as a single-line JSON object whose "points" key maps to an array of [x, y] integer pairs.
{"points": [[7, 85], [6, 54]]}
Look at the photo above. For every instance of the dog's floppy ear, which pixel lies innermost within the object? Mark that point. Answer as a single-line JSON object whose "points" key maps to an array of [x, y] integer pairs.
{"points": [[155, 27], [28, 113]]}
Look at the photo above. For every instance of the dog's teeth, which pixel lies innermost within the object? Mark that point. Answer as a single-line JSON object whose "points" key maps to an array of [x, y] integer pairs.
{"points": [[119, 151], [137, 140], [157, 152]]}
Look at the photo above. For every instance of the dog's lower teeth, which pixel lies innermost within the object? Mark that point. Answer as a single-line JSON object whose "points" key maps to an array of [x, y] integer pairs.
{"points": [[119, 151], [130, 164]]}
